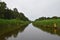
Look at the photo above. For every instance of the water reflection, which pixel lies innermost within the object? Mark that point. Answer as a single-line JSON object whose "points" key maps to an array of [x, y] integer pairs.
{"points": [[49, 29], [7, 31], [29, 32]]}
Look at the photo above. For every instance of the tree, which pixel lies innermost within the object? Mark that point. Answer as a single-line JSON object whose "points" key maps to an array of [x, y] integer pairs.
{"points": [[54, 17], [2, 9], [6, 13], [42, 18], [2, 5], [15, 10]]}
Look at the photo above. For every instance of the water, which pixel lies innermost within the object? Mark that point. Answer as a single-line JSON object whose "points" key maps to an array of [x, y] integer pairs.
{"points": [[31, 33]]}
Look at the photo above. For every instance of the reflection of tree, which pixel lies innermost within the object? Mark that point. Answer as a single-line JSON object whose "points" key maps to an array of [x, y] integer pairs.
{"points": [[51, 30], [14, 32]]}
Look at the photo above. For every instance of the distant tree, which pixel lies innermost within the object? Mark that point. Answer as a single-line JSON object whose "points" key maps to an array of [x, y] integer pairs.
{"points": [[22, 17], [54, 17], [48, 18], [15, 10], [42, 18]]}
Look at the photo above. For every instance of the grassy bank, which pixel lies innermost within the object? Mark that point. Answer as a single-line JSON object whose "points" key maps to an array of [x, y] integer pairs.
{"points": [[48, 23], [51, 26], [10, 25], [12, 22]]}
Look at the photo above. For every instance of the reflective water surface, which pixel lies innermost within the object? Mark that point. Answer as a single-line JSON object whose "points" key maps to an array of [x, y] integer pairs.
{"points": [[31, 32]]}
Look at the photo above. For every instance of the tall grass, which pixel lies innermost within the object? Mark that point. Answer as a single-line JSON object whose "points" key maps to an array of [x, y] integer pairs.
{"points": [[12, 22], [49, 22], [10, 25]]}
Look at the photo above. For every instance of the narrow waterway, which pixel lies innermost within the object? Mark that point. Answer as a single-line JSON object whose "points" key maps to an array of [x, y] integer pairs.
{"points": [[33, 33]]}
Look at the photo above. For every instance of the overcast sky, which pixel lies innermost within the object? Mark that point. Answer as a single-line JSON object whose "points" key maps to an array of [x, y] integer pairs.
{"points": [[34, 9]]}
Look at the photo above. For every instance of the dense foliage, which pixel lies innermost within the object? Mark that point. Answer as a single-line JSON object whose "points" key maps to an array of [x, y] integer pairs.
{"points": [[6, 13]]}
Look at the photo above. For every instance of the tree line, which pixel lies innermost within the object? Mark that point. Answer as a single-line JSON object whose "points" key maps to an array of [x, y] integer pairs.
{"points": [[6, 13], [47, 18]]}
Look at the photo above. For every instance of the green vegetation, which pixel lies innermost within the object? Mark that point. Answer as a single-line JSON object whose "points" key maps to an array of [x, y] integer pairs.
{"points": [[47, 18], [6, 13], [9, 25], [11, 20], [52, 22], [8, 16], [50, 25], [11, 30]]}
